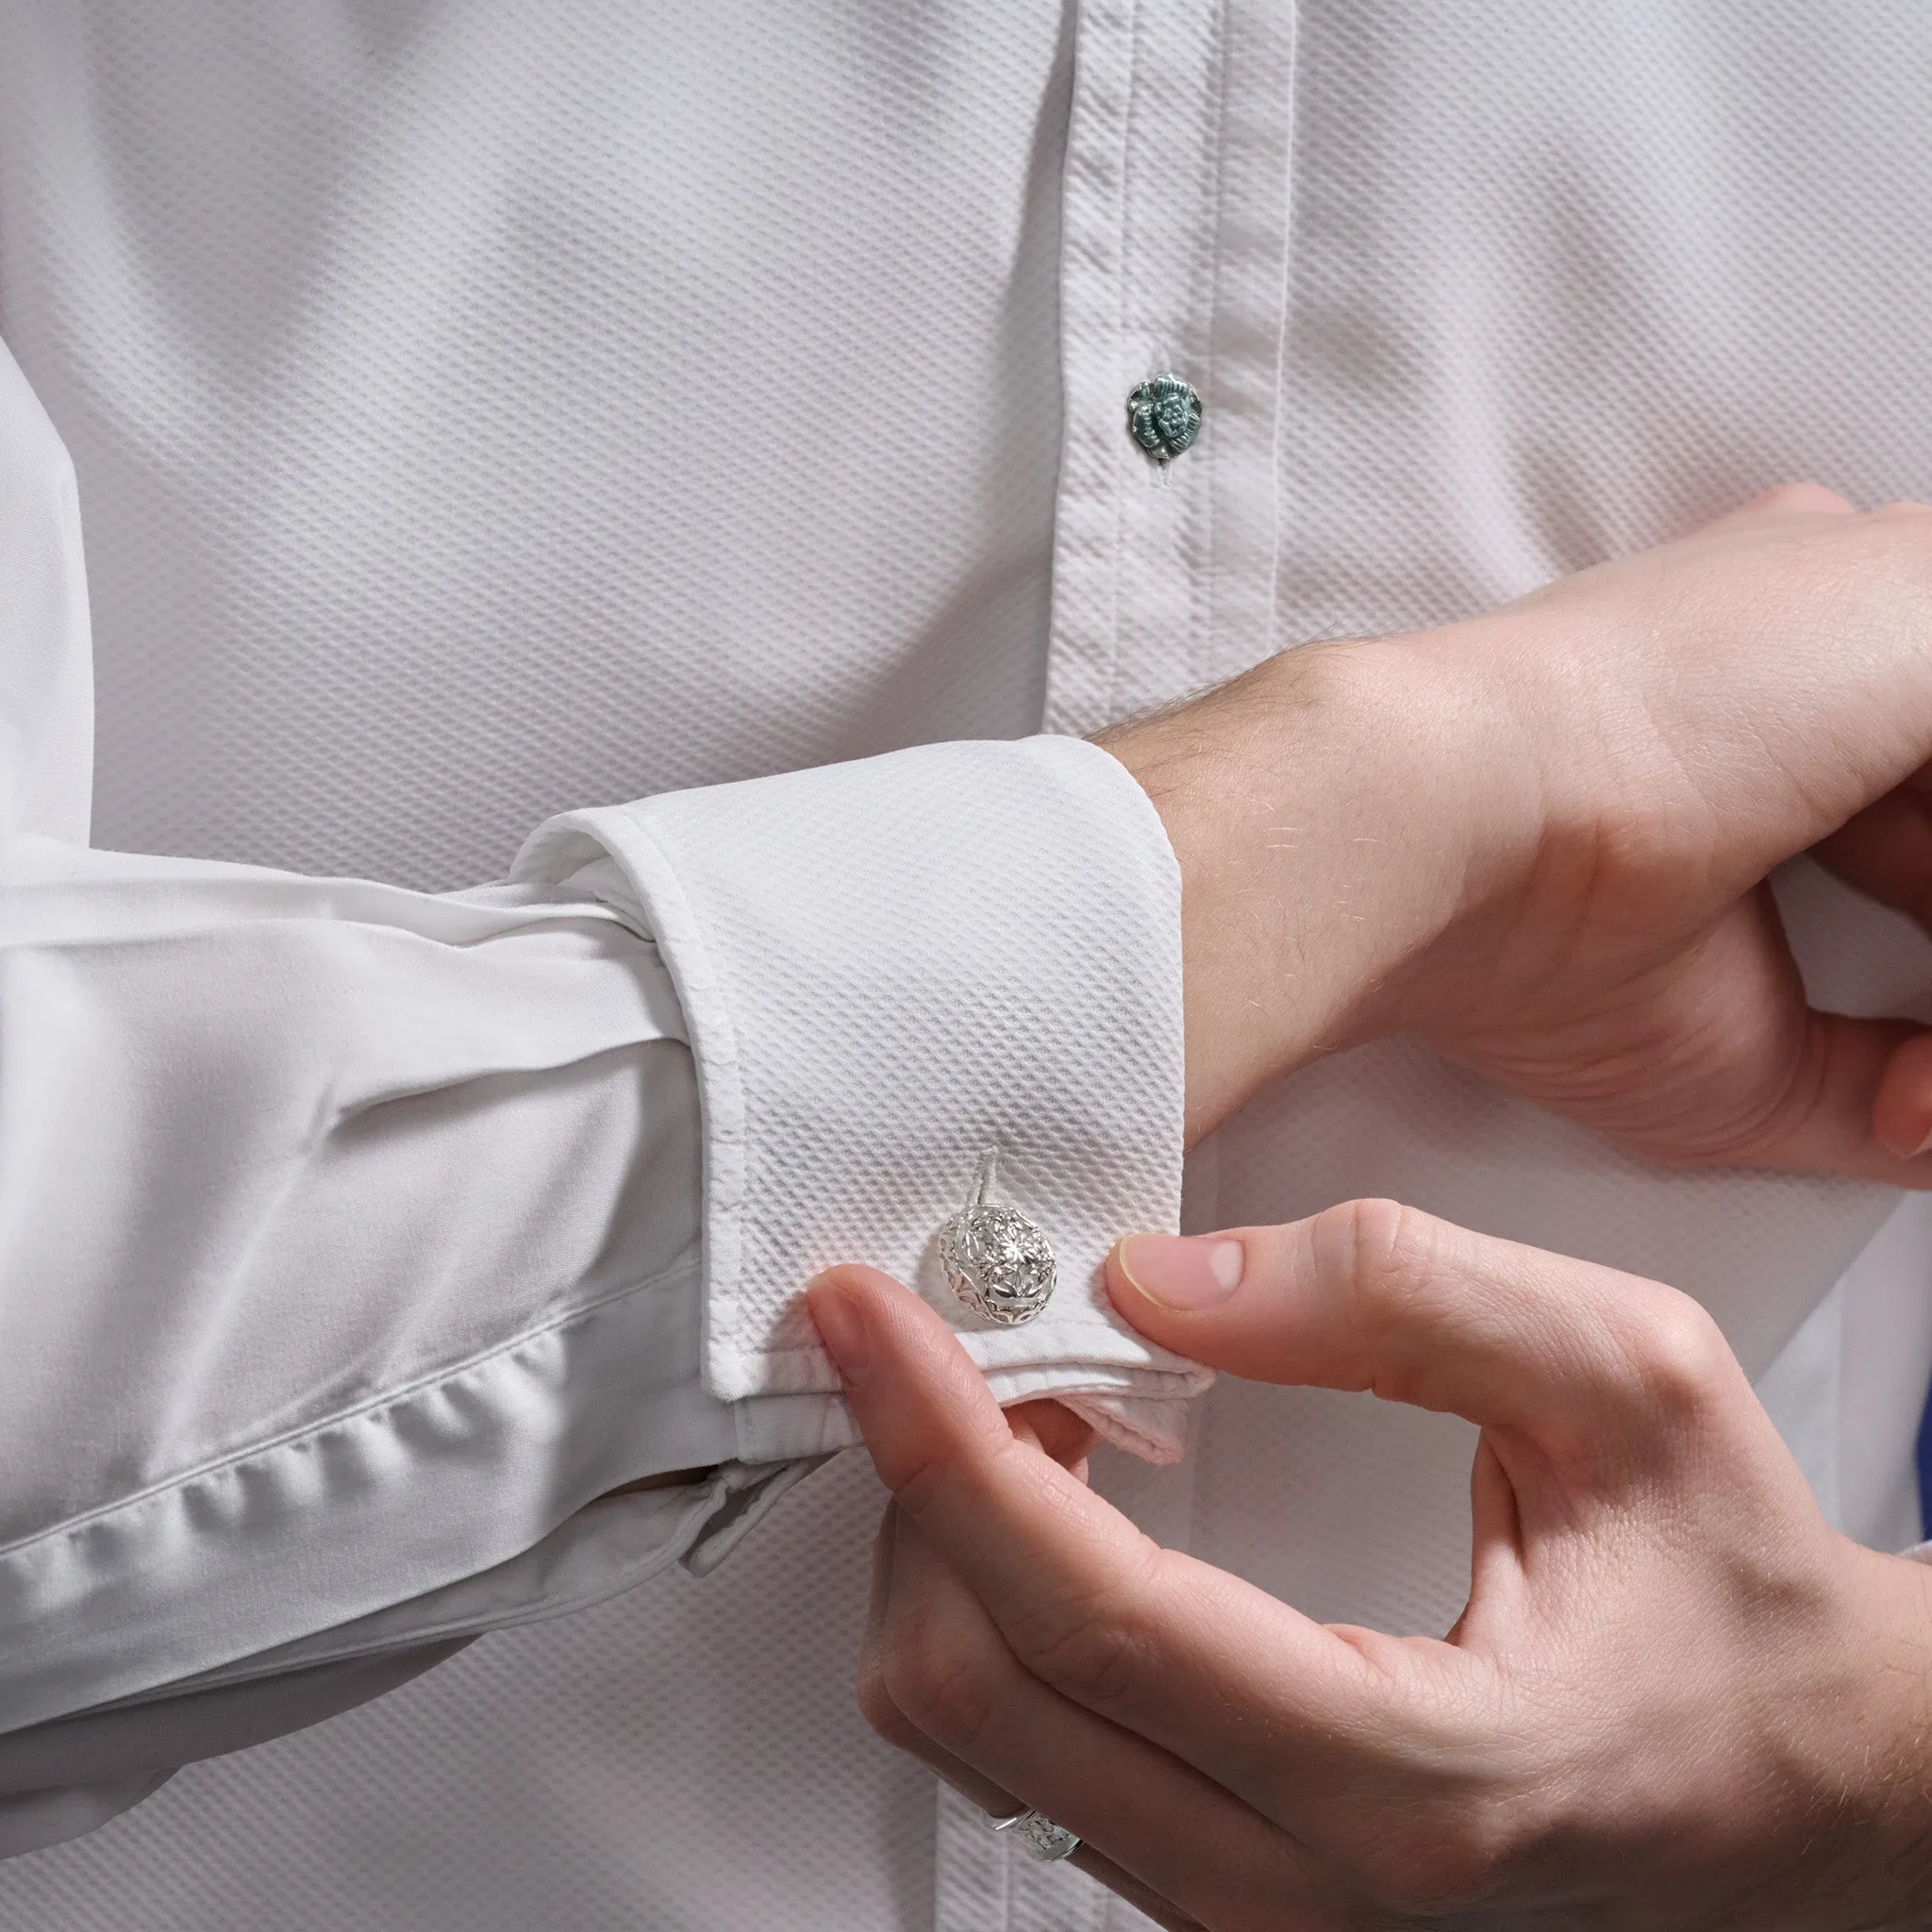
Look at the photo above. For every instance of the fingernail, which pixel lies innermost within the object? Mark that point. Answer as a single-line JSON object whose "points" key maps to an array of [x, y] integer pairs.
{"points": [[1902, 1149], [840, 1326], [1183, 1271]]}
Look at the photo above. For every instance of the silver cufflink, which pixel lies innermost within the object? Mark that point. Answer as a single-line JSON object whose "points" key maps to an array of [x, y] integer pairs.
{"points": [[998, 1262]]}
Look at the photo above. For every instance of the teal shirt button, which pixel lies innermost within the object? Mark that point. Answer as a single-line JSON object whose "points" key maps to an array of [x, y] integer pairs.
{"points": [[1164, 417]]}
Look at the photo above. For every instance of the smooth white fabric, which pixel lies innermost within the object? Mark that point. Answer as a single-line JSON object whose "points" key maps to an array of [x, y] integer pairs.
{"points": [[483, 412]]}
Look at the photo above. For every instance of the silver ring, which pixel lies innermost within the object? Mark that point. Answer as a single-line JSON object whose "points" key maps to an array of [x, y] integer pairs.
{"points": [[1042, 1839]]}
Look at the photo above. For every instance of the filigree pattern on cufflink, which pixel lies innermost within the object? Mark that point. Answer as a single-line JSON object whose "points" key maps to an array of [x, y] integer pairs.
{"points": [[998, 1262], [1038, 1836]]}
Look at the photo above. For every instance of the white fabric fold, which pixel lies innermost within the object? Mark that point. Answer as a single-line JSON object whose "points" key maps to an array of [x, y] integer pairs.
{"points": [[66, 1776], [348, 1248]]}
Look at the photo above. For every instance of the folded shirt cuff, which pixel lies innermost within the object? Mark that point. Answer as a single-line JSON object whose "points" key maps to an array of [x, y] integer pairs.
{"points": [[887, 969]]}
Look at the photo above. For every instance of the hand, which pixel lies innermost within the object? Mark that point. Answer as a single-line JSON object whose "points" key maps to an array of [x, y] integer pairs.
{"points": [[1538, 838], [1676, 1699]]}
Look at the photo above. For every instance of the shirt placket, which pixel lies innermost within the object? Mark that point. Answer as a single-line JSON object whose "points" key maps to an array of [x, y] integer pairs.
{"points": [[1173, 260]]}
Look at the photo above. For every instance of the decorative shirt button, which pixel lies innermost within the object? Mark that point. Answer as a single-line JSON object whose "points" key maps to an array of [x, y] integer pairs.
{"points": [[1164, 417]]}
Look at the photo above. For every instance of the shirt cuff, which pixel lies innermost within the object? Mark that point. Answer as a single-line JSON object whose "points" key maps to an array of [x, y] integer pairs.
{"points": [[887, 968]]}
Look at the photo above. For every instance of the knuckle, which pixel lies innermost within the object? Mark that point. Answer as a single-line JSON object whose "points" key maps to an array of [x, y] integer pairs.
{"points": [[946, 1689], [875, 1706], [1676, 1353], [1387, 1260], [1446, 1861], [1383, 1252], [1085, 1649]]}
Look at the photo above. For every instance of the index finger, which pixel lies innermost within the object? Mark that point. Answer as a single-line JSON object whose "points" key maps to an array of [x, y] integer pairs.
{"points": [[1264, 1699]]}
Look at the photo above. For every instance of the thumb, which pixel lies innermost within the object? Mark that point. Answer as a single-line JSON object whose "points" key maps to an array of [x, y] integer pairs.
{"points": [[1372, 1295]]}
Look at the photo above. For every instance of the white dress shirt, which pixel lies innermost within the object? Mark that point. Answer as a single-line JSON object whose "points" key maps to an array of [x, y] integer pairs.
{"points": [[486, 416]]}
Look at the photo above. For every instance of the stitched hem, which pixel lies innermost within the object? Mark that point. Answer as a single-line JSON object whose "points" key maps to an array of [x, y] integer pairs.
{"points": [[423, 1487], [374, 1404]]}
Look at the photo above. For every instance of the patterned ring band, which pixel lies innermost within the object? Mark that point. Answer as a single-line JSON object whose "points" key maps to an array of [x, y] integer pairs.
{"points": [[1042, 1838]]}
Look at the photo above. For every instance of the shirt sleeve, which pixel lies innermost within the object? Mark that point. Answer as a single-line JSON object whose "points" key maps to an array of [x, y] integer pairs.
{"points": [[348, 1247], [356, 1244], [353, 1239]]}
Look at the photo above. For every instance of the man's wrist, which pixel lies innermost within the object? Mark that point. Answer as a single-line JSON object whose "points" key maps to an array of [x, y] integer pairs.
{"points": [[1328, 835]]}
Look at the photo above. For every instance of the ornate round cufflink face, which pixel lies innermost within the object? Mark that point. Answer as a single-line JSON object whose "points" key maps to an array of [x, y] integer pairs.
{"points": [[1164, 417], [998, 1262]]}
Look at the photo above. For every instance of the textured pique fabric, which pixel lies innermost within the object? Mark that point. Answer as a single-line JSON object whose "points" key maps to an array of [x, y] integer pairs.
{"points": [[1008, 1000], [459, 339], [484, 412], [373, 1213]]}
